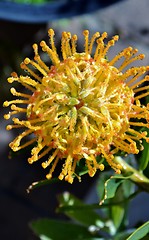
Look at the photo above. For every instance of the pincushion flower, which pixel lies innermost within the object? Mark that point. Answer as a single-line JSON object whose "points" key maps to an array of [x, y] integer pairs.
{"points": [[82, 106]]}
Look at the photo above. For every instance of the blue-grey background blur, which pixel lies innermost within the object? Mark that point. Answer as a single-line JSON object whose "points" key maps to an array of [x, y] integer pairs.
{"points": [[19, 29]]}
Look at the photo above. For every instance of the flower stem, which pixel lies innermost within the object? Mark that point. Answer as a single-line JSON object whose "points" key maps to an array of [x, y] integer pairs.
{"points": [[137, 176]]}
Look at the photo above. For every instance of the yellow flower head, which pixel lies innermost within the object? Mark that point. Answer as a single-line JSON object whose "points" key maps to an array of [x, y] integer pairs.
{"points": [[82, 106]]}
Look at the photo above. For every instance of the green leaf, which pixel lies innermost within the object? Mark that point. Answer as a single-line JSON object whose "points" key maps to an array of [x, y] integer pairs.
{"points": [[143, 156], [117, 190], [119, 212], [83, 215], [141, 232], [111, 186], [47, 229], [95, 238], [123, 235], [128, 188], [117, 215], [144, 159]]}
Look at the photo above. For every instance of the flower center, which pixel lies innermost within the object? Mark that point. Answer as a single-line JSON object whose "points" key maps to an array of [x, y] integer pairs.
{"points": [[81, 105]]}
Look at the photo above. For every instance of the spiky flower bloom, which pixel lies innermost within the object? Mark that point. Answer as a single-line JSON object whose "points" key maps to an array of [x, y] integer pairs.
{"points": [[81, 107]]}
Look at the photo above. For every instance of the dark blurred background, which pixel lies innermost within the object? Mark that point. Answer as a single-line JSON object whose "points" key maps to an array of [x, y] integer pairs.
{"points": [[20, 27]]}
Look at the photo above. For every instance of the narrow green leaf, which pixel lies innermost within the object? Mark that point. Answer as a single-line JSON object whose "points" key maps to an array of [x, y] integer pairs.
{"points": [[60, 230], [141, 232], [123, 235], [117, 215], [119, 212], [84, 216], [94, 238]]}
